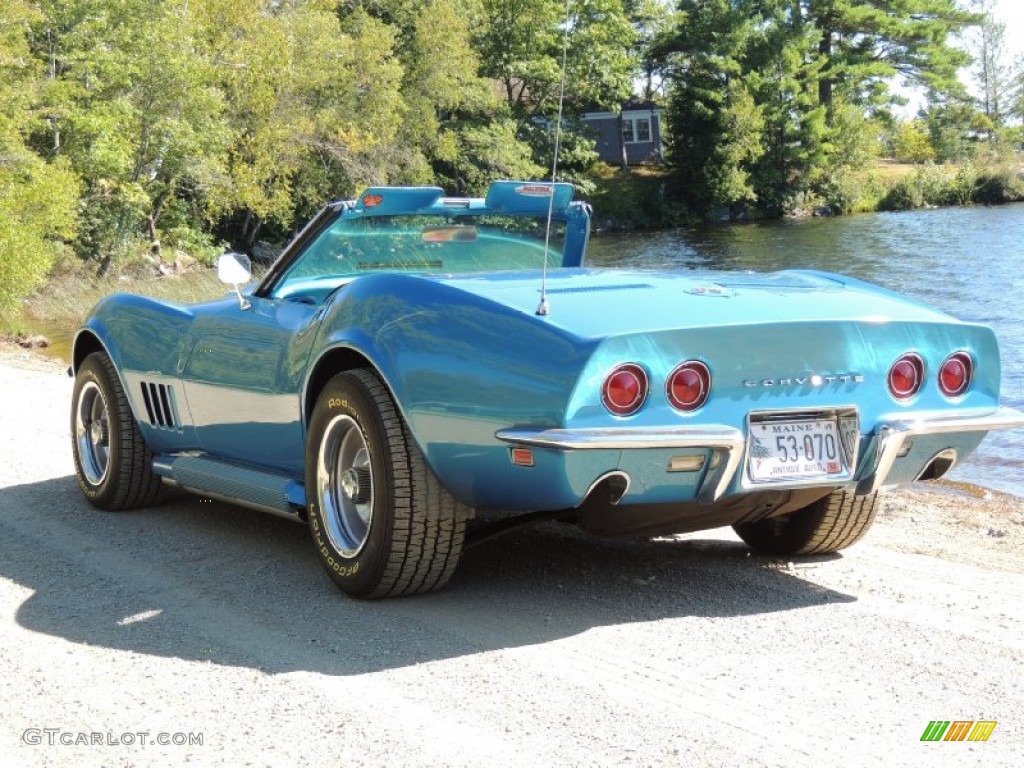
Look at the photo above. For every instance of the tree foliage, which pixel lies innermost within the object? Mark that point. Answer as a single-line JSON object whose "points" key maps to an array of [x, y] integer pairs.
{"points": [[133, 129], [804, 78], [37, 200]]}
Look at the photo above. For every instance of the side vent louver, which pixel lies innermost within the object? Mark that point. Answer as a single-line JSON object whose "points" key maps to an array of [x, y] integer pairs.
{"points": [[159, 399]]}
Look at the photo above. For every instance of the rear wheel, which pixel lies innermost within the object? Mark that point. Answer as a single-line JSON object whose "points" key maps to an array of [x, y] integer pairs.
{"points": [[113, 465], [382, 524], [828, 525]]}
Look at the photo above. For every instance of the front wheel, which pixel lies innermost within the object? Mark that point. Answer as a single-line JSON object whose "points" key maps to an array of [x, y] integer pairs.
{"points": [[828, 525], [382, 524], [113, 465]]}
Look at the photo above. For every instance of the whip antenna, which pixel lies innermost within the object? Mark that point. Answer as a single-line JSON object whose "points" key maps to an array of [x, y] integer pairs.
{"points": [[542, 309]]}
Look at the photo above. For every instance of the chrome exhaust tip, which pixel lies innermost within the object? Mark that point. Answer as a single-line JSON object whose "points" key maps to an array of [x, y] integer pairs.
{"points": [[939, 465]]}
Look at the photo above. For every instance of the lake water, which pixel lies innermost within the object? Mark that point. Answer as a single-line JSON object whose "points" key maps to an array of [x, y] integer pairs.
{"points": [[964, 261]]}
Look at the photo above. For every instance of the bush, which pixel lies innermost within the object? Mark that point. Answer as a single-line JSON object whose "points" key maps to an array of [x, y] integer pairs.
{"points": [[847, 192], [930, 186], [926, 186], [997, 186], [37, 214]]}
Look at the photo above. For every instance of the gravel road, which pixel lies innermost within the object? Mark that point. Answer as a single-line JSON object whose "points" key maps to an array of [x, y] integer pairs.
{"points": [[198, 621]]}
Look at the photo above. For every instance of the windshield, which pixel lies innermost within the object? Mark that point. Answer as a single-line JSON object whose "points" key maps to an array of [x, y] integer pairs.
{"points": [[359, 245]]}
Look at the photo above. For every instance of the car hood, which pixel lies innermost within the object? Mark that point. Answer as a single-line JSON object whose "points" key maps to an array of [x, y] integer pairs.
{"points": [[597, 302]]}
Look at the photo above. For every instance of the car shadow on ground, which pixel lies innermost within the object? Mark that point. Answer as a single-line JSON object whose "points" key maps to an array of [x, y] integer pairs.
{"points": [[202, 580]]}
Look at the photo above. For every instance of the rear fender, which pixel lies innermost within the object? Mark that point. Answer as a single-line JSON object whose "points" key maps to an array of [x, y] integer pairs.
{"points": [[459, 368]]}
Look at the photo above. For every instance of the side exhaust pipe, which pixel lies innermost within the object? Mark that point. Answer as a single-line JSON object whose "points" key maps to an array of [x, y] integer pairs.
{"points": [[941, 463], [609, 488]]}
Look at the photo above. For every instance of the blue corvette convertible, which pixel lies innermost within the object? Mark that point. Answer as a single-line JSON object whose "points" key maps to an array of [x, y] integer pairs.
{"points": [[410, 363]]}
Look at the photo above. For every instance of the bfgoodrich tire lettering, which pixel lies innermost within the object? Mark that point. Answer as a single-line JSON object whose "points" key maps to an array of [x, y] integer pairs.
{"points": [[113, 465], [828, 525], [382, 524]]}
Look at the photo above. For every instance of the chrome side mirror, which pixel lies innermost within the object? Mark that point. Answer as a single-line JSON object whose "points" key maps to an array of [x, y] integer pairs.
{"points": [[235, 269]]}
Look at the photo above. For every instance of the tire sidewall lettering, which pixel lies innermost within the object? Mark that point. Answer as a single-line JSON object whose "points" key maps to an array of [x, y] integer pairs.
{"points": [[351, 409], [345, 395], [342, 567]]}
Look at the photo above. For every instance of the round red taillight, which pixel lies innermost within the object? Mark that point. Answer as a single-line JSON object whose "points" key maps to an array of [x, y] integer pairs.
{"points": [[906, 376], [955, 374], [689, 385], [625, 389]]}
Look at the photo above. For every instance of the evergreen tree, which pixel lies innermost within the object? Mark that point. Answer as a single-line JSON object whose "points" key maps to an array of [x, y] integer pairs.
{"points": [[815, 70], [991, 68], [715, 125]]}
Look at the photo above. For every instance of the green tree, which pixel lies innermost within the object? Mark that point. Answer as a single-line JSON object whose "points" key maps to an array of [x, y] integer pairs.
{"points": [[1016, 108], [992, 70], [715, 125], [37, 199], [520, 46], [864, 43], [911, 143], [469, 158], [953, 126], [313, 107], [817, 72], [133, 107], [653, 22]]}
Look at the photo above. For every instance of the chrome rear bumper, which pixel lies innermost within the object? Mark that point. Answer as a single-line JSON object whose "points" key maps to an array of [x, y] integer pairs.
{"points": [[729, 443], [894, 434]]}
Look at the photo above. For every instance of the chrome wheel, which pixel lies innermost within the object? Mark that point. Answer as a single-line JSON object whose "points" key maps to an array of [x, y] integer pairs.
{"points": [[92, 433], [344, 479]]}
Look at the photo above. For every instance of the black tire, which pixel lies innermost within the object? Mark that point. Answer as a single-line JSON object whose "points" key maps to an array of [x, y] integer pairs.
{"points": [[113, 465], [382, 524], [828, 525]]}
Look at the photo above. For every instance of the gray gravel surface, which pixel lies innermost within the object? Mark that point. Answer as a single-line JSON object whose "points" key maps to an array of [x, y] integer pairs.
{"points": [[548, 648]]}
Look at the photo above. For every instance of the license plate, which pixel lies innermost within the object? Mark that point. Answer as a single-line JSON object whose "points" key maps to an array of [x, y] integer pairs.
{"points": [[794, 450]]}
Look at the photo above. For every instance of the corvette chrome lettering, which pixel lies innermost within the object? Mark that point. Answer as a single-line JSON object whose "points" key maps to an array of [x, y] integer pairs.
{"points": [[813, 380]]}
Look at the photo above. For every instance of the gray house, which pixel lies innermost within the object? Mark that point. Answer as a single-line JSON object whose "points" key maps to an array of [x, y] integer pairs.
{"points": [[632, 137]]}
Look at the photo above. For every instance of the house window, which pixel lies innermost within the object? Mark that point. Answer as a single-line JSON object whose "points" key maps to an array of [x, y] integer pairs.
{"points": [[636, 130]]}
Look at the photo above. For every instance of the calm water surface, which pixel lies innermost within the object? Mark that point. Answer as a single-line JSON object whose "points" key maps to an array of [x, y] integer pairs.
{"points": [[964, 261]]}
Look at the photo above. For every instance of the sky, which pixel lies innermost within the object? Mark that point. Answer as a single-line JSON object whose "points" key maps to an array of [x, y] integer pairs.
{"points": [[1011, 13]]}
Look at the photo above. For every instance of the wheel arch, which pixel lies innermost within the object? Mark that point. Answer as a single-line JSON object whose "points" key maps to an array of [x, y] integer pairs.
{"points": [[330, 363], [90, 339], [85, 343]]}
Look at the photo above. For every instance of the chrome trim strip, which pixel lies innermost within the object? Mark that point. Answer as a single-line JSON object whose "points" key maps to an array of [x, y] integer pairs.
{"points": [[892, 435], [287, 515], [624, 438]]}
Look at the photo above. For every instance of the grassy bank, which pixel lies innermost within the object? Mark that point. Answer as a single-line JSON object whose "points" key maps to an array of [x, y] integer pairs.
{"points": [[68, 298], [639, 198]]}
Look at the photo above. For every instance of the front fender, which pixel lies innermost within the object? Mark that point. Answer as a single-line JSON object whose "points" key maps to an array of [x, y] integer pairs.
{"points": [[138, 333], [145, 339]]}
